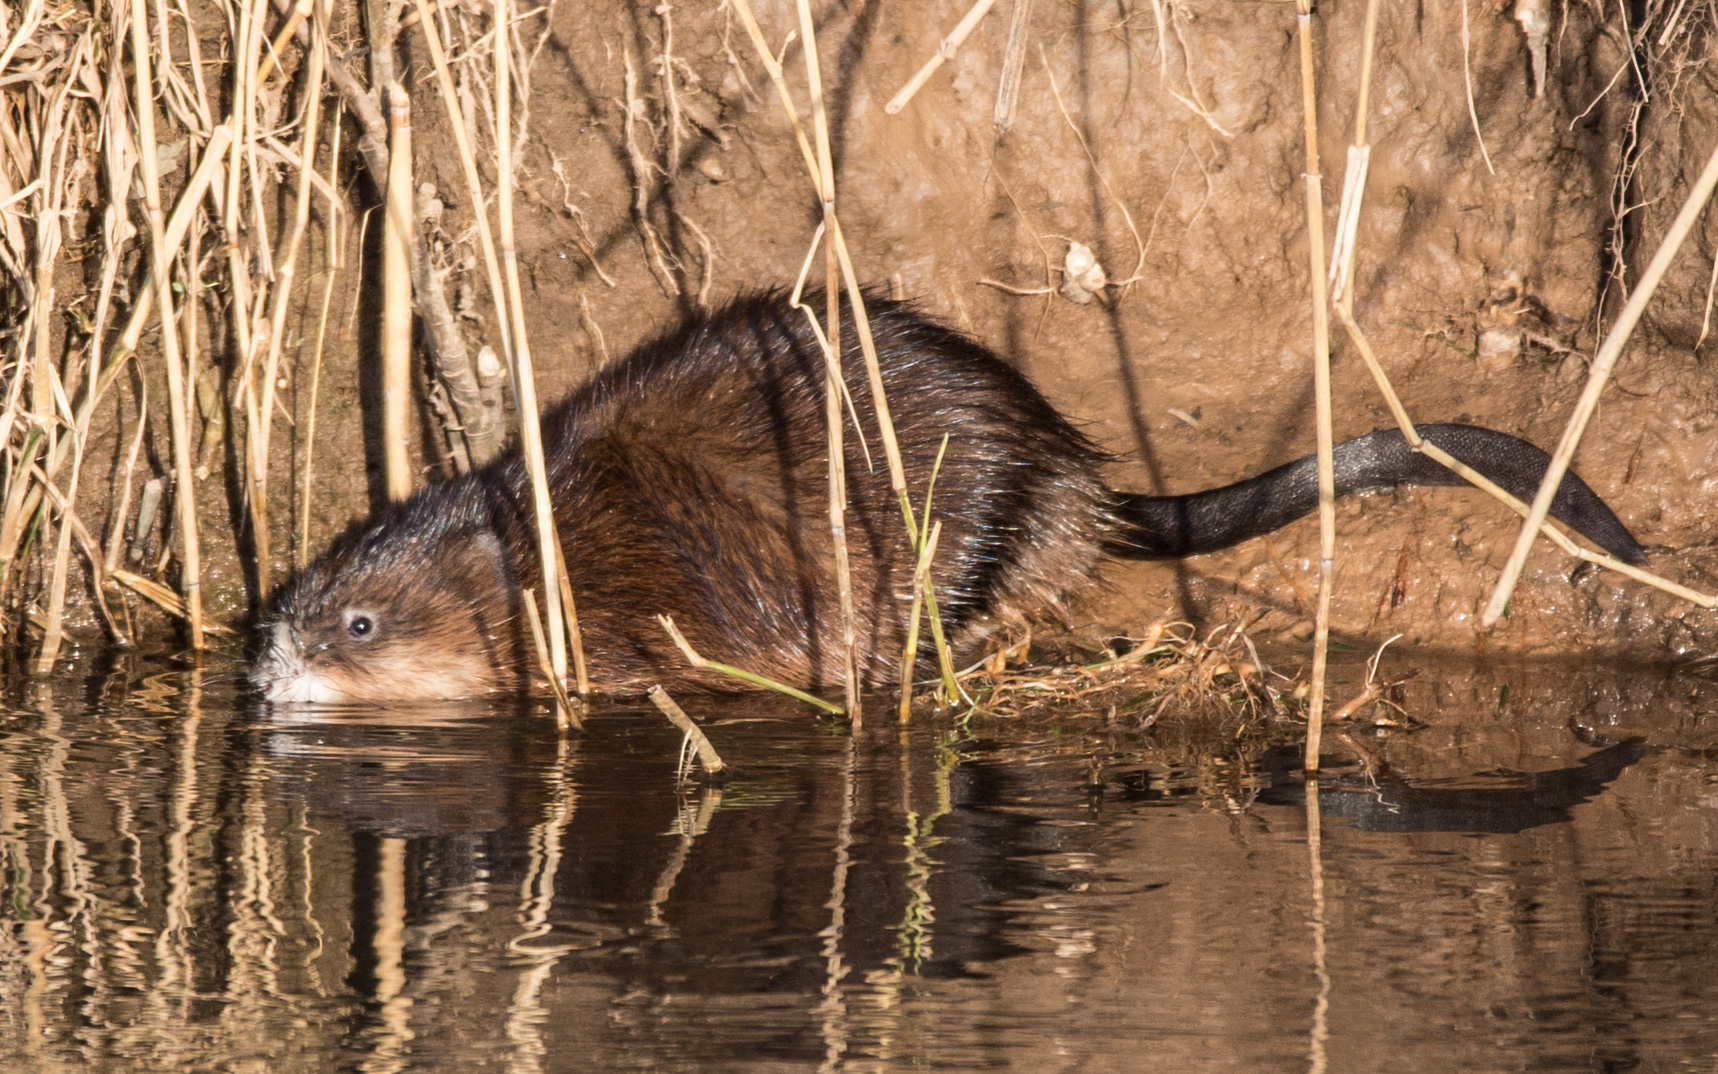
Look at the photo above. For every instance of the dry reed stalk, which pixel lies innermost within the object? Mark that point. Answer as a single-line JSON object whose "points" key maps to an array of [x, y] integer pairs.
{"points": [[575, 637], [247, 301], [184, 493], [524, 379], [832, 392], [1013, 66], [333, 260], [1321, 388], [945, 52], [822, 177], [692, 657], [397, 228], [184, 210], [707, 755], [566, 715], [300, 12], [162, 597], [861, 322], [825, 181], [284, 275], [117, 517], [1597, 376], [55, 630], [481, 448]]}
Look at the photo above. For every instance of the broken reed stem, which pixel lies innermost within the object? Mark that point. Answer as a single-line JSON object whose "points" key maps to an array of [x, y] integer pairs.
{"points": [[565, 714], [1597, 376], [162, 597], [184, 493], [1013, 67], [697, 661], [1321, 388], [397, 228], [524, 378], [707, 755], [945, 52]]}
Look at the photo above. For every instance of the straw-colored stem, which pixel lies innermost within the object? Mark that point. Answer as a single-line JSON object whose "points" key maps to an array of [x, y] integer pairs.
{"points": [[832, 413], [832, 373], [707, 755], [1321, 389], [285, 273], [1597, 376], [575, 637], [397, 300], [474, 196], [861, 322], [696, 660], [55, 633], [334, 261], [524, 379], [208, 168], [184, 494], [945, 52], [566, 715]]}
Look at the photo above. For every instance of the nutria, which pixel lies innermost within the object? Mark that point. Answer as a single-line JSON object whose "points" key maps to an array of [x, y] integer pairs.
{"points": [[690, 478]]}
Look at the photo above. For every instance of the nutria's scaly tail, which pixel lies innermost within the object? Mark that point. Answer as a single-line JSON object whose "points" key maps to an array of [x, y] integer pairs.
{"points": [[1167, 527]]}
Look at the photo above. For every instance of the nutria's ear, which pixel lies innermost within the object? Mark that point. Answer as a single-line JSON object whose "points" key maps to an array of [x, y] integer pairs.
{"points": [[477, 566]]}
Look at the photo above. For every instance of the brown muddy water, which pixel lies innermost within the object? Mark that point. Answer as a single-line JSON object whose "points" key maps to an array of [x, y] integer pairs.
{"points": [[1523, 878]]}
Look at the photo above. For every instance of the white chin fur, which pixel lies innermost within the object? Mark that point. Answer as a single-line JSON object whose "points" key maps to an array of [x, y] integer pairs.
{"points": [[303, 688]]}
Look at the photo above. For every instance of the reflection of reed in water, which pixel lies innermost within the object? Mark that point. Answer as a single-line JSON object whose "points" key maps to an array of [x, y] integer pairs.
{"points": [[189, 887]]}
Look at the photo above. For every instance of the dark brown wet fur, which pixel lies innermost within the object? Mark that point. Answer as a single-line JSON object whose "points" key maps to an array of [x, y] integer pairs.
{"points": [[690, 479]]}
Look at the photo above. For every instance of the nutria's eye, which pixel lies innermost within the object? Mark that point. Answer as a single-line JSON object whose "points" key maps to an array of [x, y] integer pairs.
{"points": [[360, 625]]}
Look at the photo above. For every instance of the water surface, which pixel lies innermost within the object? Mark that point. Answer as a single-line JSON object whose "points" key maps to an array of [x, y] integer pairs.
{"points": [[1524, 878]]}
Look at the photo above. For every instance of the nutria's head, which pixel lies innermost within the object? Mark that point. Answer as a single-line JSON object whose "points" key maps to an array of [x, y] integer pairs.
{"points": [[409, 607]]}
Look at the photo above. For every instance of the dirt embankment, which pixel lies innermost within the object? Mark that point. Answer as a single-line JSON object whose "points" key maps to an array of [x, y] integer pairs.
{"points": [[1501, 231]]}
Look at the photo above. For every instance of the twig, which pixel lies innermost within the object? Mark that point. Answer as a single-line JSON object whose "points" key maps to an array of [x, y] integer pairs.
{"points": [[707, 755]]}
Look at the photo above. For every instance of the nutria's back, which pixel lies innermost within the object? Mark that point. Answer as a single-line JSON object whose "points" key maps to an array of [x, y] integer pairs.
{"points": [[691, 479]]}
